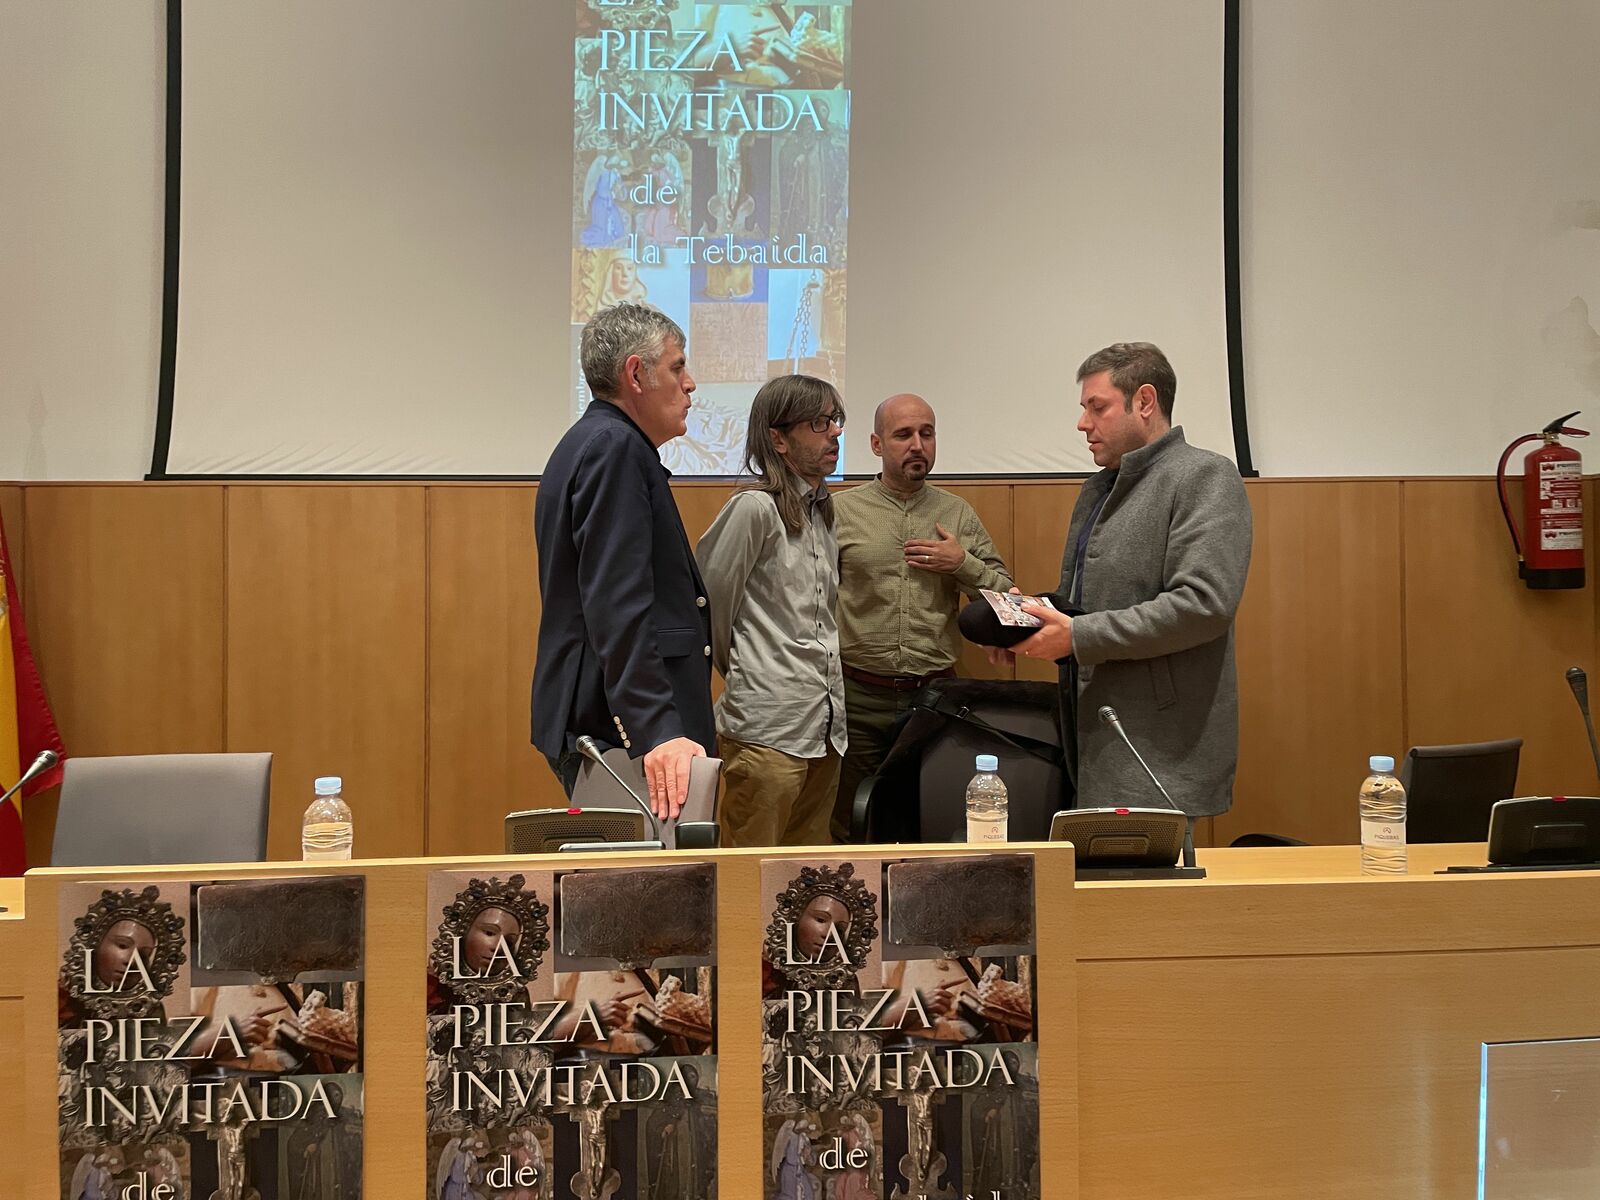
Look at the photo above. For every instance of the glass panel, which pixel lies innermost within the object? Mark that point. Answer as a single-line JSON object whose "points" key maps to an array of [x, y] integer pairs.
{"points": [[1539, 1121]]}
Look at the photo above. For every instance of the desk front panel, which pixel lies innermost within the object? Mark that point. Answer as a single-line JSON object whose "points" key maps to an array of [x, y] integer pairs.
{"points": [[1315, 1032], [12, 927], [398, 927]]}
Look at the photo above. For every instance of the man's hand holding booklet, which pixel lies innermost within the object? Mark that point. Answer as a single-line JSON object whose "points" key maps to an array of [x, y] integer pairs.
{"points": [[1007, 607]]}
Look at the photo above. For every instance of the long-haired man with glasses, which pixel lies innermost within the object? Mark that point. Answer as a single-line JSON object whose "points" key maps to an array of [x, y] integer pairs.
{"points": [[770, 564]]}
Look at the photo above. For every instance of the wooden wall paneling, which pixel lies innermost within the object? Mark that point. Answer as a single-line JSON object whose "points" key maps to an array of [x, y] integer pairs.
{"points": [[992, 503], [1318, 642], [126, 618], [124, 589], [1040, 514], [483, 622], [327, 628], [699, 504], [1486, 656]]}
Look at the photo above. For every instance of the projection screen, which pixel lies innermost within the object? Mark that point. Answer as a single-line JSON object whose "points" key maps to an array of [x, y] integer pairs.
{"points": [[393, 220]]}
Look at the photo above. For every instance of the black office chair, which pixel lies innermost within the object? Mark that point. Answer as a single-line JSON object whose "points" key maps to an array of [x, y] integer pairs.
{"points": [[920, 792], [1266, 839], [1450, 789]]}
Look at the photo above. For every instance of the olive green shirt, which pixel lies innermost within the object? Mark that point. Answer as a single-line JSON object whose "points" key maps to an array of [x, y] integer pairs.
{"points": [[896, 619]]}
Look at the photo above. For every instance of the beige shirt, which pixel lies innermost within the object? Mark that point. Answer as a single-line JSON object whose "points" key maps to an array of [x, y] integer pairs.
{"points": [[774, 632], [896, 619]]}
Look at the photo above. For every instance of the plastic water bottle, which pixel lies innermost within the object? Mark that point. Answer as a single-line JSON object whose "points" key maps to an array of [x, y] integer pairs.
{"points": [[986, 803], [327, 830], [1383, 820]]}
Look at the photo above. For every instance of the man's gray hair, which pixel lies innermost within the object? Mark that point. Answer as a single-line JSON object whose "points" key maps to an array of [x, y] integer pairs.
{"points": [[614, 334], [1132, 365]]}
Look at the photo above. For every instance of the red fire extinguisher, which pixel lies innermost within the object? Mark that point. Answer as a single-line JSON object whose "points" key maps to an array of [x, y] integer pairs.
{"points": [[1550, 545]]}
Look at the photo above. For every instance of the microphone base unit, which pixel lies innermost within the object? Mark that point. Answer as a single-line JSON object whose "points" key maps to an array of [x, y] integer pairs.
{"points": [[547, 830], [1103, 874], [1128, 839], [1513, 868], [607, 847]]}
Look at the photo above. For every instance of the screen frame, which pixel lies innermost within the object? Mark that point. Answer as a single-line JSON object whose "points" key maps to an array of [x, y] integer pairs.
{"points": [[166, 383]]}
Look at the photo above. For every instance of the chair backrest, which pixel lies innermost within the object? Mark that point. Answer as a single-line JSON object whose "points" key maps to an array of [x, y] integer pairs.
{"points": [[1450, 789], [596, 789], [147, 809], [1035, 789]]}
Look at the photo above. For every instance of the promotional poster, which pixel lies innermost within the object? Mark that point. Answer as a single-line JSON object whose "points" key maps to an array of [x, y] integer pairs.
{"points": [[899, 1052], [210, 1039], [711, 164], [572, 1045]]}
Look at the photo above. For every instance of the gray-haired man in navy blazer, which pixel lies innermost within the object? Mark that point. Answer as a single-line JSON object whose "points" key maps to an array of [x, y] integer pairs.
{"points": [[625, 632]]}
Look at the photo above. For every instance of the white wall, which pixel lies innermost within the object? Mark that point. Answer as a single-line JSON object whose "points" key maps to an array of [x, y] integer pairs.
{"points": [[1420, 208], [1420, 205], [81, 160]]}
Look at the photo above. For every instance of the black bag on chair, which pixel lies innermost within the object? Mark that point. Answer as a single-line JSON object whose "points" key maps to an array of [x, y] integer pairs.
{"points": [[919, 793]]}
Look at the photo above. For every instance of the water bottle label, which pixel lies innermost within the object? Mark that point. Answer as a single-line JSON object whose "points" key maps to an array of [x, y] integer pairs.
{"points": [[1383, 835], [986, 829]]}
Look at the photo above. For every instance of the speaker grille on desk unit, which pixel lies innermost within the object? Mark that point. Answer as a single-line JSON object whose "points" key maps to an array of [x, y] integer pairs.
{"points": [[546, 830], [1118, 845], [1123, 835]]}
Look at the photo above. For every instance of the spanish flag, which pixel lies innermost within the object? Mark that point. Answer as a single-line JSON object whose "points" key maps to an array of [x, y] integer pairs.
{"points": [[26, 726]]}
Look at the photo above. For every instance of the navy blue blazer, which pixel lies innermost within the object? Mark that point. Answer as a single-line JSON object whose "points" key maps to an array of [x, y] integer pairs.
{"points": [[625, 630]]}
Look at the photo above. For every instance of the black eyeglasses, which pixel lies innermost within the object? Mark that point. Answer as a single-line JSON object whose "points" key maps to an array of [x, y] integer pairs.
{"points": [[817, 424]]}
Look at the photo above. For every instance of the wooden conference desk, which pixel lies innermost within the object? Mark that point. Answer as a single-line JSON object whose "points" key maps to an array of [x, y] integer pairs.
{"points": [[1290, 1028], [11, 1091], [1286, 1027]]}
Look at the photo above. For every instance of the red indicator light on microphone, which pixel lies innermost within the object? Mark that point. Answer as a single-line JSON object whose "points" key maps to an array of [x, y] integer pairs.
{"points": [[572, 812], [1558, 799], [1122, 812]]}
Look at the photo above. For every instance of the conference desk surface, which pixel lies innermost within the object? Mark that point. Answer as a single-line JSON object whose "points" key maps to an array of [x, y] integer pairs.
{"points": [[1286, 1026]]}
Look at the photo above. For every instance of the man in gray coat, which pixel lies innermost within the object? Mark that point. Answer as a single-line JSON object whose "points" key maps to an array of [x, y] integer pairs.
{"points": [[1155, 563]]}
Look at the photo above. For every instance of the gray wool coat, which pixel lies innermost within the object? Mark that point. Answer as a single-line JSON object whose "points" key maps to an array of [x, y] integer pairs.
{"points": [[1164, 570]]}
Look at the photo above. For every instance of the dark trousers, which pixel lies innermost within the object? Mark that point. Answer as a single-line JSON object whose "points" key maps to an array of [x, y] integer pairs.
{"points": [[565, 765], [870, 714]]}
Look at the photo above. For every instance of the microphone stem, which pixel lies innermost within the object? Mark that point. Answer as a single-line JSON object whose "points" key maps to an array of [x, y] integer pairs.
{"points": [[655, 825], [37, 767], [1578, 681], [1188, 822]]}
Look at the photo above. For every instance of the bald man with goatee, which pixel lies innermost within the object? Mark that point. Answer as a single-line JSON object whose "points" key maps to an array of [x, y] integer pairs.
{"points": [[909, 552]]}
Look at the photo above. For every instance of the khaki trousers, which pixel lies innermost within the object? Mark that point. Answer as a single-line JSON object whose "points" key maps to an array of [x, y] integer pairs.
{"points": [[770, 798]]}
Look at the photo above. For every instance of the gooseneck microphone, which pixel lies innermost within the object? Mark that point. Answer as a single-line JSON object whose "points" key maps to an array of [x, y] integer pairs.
{"points": [[46, 760], [1108, 716], [590, 749], [1578, 681]]}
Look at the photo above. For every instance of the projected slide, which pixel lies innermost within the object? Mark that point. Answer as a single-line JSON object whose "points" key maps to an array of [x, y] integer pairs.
{"points": [[387, 251], [711, 179]]}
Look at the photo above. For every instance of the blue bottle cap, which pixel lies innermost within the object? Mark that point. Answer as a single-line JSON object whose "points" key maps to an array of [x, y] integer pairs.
{"points": [[1381, 764], [988, 762], [329, 785]]}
